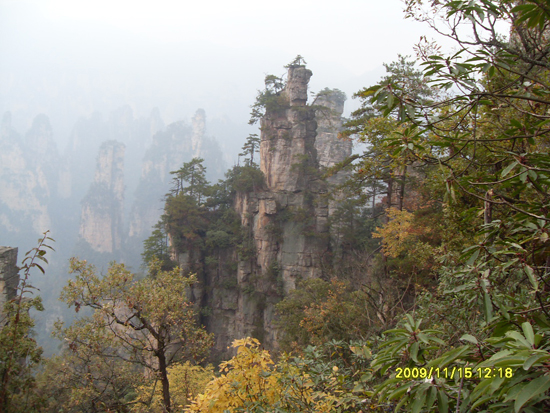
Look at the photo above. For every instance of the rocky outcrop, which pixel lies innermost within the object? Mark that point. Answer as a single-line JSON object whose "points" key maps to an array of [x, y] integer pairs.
{"points": [[329, 105], [102, 208], [285, 222], [290, 164], [27, 177], [289, 221], [331, 150], [9, 275], [199, 129], [170, 148]]}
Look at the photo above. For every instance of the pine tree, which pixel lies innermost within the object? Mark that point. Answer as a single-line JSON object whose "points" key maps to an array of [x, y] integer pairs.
{"points": [[251, 146], [194, 174]]}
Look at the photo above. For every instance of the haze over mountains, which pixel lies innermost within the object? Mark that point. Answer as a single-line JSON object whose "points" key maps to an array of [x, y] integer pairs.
{"points": [[68, 60], [101, 194]]}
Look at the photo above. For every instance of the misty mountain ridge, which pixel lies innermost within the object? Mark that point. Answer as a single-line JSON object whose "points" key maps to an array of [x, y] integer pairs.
{"points": [[41, 189], [101, 195]]}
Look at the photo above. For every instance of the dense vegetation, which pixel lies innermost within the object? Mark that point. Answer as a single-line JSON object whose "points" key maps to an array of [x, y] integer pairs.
{"points": [[439, 293]]}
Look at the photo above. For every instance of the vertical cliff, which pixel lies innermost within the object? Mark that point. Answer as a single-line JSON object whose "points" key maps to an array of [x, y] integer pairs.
{"points": [[331, 150], [329, 105], [169, 149], [284, 223], [102, 207], [27, 178]]}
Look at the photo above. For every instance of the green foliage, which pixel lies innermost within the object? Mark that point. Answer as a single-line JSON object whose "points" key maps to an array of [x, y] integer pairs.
{"points": [[378, 170], [251, 146], [270, 100], [318, 311], [218, 239], [353, 222], [157, 247], [245, 179], [337, 93], [504, 372], [146, 323], [186, 221], [82, 380], [275, 275], [192, 173], [207, 228], [19, 352], [484, 153], [297, 61], [291, 312]]}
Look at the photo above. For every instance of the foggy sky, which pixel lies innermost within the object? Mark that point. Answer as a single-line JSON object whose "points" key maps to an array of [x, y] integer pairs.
{"points": [[68, 58]]}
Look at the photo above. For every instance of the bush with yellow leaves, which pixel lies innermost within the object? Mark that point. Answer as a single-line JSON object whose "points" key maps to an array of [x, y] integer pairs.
{"points": [[404, 236], [251, 381]]}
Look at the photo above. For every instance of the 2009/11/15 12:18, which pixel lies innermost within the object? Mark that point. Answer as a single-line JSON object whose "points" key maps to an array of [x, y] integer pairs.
{"points": [[450, 373]]}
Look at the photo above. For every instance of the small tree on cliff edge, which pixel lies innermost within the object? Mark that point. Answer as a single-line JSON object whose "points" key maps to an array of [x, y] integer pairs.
{"points": [[157, 246], [298, 61], [269, 99], [194, 174], [251, 146]]}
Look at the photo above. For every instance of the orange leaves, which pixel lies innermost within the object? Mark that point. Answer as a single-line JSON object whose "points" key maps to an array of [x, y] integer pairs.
{"points": [[410, 236], [397, 234]]}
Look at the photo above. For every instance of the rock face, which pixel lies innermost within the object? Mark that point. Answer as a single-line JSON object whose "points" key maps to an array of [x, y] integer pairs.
{"points": [[199, 129], [27, 178], [102, 208], [331, 150], [170, 148], [329, 108], [290, 164], [286, 221], [9, 275]]}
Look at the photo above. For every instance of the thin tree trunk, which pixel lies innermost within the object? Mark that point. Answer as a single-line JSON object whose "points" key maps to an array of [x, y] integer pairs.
{"points": [[164, 378], [373, 197], [488, 210], [390, 191], [401, 191]]}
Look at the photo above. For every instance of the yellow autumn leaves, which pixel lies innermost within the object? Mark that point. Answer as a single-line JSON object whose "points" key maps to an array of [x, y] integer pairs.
{"points": [[401, 235], [251, 380]]}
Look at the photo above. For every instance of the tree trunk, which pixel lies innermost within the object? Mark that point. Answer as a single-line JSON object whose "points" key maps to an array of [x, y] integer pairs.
{"points": [[488, 207], [373, 197], [164, 377], [401, 191], [389, 193]]}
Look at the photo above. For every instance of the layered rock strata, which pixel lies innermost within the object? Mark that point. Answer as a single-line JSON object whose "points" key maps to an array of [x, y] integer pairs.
{"points": [[102, 208], [27, 177], [286, 222], [170, 148]]}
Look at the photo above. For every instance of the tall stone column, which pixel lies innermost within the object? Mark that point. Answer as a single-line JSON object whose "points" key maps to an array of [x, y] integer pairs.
{"points": [[103, 205]]}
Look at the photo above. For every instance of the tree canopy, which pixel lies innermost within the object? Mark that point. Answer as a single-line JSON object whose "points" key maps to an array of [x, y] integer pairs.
{"points": [[147, 323]]}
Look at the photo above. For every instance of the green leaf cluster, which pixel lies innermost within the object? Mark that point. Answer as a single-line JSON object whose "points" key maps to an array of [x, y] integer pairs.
{"points": [[20, 355]]}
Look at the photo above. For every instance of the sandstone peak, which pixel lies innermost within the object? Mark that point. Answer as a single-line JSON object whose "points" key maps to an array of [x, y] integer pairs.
{"points": [[296, 86]]}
